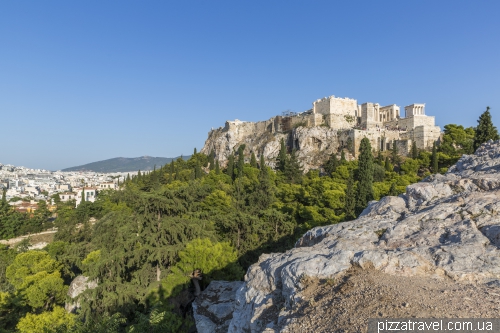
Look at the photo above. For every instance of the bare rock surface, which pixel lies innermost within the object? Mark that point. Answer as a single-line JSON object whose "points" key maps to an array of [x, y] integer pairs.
{"points": [[314, 144], [213, 309], [446, 228], [78, 286]]}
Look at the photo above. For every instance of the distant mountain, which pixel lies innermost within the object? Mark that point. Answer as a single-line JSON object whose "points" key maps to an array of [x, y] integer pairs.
{"points": [[124, 164]]}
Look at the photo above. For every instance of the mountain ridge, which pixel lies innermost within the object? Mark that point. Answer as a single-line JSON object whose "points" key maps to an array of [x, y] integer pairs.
{"points": [[125, 164]]}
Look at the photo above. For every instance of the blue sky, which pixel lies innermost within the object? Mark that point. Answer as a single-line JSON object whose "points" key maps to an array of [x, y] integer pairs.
{"points": [[91, 80]]}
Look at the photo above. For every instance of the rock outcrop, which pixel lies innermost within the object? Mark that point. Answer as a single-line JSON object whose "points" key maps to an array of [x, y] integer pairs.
{"points": [[446, 227], [213, 309], [78, 286], [313, 144]]}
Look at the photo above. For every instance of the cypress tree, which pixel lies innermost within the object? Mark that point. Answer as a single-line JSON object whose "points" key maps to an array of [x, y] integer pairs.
{"points": [[128, 178], [195, 151], [230, 166], [217, 168], [262, 163], [282, 159], [485, 130], [414, 150], [364, 192], [4, 196], [380, 158], [388, 166], [83, 195], [434, 159], [350, 199], [211, 158], [395, 153], [342, 157], [253, 161], [241, 160]]}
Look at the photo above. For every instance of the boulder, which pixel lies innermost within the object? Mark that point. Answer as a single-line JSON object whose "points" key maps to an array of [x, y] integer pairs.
{"points": [[78, 286]]}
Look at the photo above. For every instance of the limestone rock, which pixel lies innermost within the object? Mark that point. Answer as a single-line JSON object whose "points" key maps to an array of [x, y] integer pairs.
{"points": [[213, 309], [78, 286], [446, 226]]}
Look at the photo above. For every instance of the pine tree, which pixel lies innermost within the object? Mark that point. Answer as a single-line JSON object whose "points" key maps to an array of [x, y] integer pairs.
{"points": [[217, 168], [485, 130], [331, 165], [253, 161], [414, 150], [350, 199], [282, 159], [434, 159], [230, 166], [342, 157], [364, 192]]}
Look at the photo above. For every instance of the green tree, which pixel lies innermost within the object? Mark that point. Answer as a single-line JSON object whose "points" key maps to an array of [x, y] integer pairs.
{"points": [[350, 199], [364, 192], [388, 166], [253, 161], [282, 159], [241, 160], [414, 150], [230, 166], [211, 158], [342, 157], [331, 164], [434, 159], [49, 321], [293, 170], [217, 167], [393, 190], [395, 154], [485, 130]]}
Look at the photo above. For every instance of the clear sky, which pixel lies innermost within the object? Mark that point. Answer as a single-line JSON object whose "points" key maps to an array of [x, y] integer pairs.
{"points": [[83, 81]]}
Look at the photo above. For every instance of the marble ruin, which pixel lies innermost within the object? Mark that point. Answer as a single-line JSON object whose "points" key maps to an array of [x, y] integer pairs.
{"points": [[383, 125]]}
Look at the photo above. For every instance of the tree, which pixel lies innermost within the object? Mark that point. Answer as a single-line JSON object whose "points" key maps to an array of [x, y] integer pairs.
{"points": [[395, 153], [342, 157], [37, 278], [49, 321], [241, 160], [282, 159], [434, 159], [217, 167], [364, 192], [350, 199], [230, 166], [388, 166], [393, 190], [253, 161], [331, 164], [414, 150], [485, 130], [195, 151], [211, 158], [293, 170]]}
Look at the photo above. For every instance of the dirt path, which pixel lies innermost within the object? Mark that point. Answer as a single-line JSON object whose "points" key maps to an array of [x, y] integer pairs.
{"points": [[345, 305], [44, 236]]}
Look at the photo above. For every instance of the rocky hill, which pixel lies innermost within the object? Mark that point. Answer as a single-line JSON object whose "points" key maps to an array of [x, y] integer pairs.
{"points": [[316, 143], [433, 251], [124, 164]]}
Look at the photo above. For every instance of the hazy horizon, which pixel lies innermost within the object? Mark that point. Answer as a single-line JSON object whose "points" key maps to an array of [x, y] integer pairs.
{"points": [[84, 82]]}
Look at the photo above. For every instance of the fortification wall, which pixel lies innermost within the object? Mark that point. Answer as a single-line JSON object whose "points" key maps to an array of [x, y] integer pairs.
{"points": [[425, 136], [322, 106]]}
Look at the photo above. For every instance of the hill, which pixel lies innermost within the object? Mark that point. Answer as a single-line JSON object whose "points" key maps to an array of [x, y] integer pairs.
{"points": [[124, 164]]}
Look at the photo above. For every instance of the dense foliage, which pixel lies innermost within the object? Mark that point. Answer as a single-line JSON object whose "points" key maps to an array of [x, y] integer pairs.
{"points": [[152, 245]]}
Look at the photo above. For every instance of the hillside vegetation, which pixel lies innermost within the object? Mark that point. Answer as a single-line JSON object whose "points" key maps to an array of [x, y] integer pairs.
{"points": [[167, 233]]}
